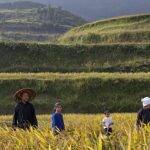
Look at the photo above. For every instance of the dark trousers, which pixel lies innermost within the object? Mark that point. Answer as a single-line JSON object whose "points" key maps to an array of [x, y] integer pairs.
{"points": [[108, 131]]}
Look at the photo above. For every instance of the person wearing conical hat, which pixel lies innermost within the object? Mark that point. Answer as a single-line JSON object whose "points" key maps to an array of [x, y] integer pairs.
{"points": [[24, 115], [143, 117]]}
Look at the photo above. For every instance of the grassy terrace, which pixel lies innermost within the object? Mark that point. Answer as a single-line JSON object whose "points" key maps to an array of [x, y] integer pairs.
{"points": [[130, 29], [80, 92], [74, 76], [33, 57]]}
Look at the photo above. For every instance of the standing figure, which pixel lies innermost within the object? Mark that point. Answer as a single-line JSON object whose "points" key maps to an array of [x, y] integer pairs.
{"points": [[107, 123], [24, 115], [143, 116], [57, 119]]}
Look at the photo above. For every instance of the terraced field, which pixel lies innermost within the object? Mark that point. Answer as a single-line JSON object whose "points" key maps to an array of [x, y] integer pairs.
{"points": [[80, 92], [127, 29], [29, 21]]}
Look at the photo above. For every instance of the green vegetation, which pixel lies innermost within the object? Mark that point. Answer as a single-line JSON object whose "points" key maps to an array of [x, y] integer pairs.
{"points": [[80, 92], [83, 132], [120, 46], [29, 21], [25, 57], [20, 5], [129, 29]]}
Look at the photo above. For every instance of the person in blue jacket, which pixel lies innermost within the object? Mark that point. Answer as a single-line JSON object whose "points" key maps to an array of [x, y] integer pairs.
{"points": [[57, 119]]}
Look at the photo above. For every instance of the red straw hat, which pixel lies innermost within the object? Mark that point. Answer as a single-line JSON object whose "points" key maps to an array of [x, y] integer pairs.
{"points": [[30, 92]]}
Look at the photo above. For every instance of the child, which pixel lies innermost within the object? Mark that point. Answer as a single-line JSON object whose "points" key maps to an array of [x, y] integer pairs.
{"points": [[57, 119], [107, 123]]}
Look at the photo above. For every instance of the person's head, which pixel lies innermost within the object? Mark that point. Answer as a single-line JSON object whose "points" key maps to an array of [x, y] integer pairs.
{"points": [[146, 103], [25, 97], [107, 114], [58, 107]]}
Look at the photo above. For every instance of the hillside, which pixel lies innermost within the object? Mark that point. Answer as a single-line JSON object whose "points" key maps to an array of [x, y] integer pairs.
{"points": [[128, 29], [23, 57], [20, 5], [101, 9], [42, 23]]}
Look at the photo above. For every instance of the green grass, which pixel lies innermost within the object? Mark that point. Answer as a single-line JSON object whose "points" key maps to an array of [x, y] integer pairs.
{"points": [[29, 37], [33, 57], [128, 29], [83, 132], [80, 92]]}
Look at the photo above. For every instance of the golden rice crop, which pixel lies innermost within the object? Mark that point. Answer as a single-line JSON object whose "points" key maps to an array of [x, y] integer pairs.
{"points": [[83, 132]]}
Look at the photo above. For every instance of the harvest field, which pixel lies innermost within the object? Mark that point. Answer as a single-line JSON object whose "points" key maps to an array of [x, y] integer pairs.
{"points": [[99, 66], [83, 132]]}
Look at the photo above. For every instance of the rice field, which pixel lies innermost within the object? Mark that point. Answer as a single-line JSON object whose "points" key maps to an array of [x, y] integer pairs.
{"points": [[83, 132]]}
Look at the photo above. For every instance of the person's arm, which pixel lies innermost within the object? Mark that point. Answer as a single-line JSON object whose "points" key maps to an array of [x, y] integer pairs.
{"points": [[139, 119], [15, 118], [53, 121], [63, 125], [35, 122], [55, 128], [110, 123]]}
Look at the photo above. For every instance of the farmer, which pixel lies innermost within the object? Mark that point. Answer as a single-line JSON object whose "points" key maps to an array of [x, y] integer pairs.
{"points": [[24, 115], [107, 123], [143, 117], [57, 119]]}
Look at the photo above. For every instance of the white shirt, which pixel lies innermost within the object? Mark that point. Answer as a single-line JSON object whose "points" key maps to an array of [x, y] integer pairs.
{"points": [[107, 121]]}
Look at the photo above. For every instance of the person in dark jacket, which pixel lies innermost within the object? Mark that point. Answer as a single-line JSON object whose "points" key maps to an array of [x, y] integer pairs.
{"points": [[143, 117], [57, 119], [24, 115]]}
